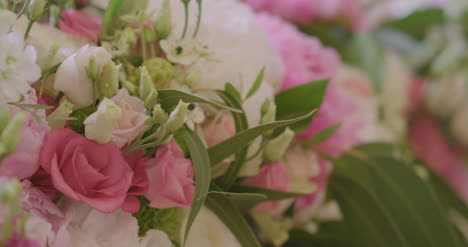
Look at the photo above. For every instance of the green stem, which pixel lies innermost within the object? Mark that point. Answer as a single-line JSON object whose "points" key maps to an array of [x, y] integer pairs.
{"points": [[14, 5], [153, 51], [28, 29], [143, 44], [186, 11], [199, 18], [25, 5]]}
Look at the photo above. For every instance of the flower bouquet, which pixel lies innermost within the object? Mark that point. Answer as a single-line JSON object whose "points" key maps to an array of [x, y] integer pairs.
{"points": [[228, 123]]}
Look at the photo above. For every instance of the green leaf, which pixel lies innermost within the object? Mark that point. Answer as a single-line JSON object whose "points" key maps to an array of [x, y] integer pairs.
{"points": [[222, 150], [418, 23], [230, 89], [110, 15], [168, 220], [323, 238], [31, 106], [80, 115], [233, 219], [169, 98], [365, 53], [256, 85], [324, 134], [298, 101], [273, 195], [243, 201], [241, 123], [62, 118], [385, 203], [202, 167]]}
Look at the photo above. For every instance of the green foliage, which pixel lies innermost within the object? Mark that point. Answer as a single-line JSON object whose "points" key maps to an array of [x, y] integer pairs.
{"points": [[80, 115], [167, 220], [169, 98], [418, 23], [299, 101], [324, 134]]}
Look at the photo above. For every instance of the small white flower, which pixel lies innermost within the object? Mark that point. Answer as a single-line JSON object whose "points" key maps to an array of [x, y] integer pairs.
{"points": [[185, 52], [7, 19], [194, 116], [18, 67]]}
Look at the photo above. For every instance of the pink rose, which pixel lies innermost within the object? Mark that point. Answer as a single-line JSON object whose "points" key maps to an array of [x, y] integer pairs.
{"points": [[171, 178], [23, 162], [95, 174], [272, 176], [304, 57], [76, 22], [219, 129], [132, 121]]}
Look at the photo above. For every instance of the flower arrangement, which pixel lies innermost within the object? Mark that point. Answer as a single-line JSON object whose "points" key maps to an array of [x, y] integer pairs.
{"points": [[231, 123]]}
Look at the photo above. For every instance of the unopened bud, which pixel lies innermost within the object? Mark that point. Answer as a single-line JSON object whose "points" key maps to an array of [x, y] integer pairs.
{"points": [[131, 88], [36, 9], [147, 91], [11, 133], [161, 72], [109, 80], [192, 78], [276, 148], [177, 117], [159, 115], [64, 110], [163, 24], [92, 69], [99, 125]]}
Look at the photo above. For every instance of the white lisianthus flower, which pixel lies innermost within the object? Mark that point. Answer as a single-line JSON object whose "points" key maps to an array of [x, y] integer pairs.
{"points": [[209, 231], [71, 77], [100, 125], [87, 227], [18, 68]]}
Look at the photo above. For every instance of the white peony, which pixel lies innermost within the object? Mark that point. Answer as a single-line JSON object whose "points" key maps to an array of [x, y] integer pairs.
{"points": [[209, 231], [71, 77], [7, 19], [18, 68]]}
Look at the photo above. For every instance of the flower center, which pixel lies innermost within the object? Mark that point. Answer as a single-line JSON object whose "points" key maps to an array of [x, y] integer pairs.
{"points": [[179, 50]]}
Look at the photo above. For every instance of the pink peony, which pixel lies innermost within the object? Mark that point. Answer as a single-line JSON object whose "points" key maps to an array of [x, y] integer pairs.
{"points": [[430, 145], [76, 22], [23, 162], [304, 57], [219, 129], [272, 176], [95, 174], [305, 11], [132, 121], [171, 178]]}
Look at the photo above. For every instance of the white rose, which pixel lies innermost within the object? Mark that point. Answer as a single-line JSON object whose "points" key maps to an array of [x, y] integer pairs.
{"points": [[209, 231], [100, 125], [71, 77]]}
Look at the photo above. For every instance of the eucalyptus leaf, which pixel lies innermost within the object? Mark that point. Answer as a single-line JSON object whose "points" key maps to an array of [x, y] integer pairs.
{"points": [[257, 83], [222, 150], [273, 195], [241, 123], [233, 219], [169, 98], [32, 106], [202, 167], [298, 101]]}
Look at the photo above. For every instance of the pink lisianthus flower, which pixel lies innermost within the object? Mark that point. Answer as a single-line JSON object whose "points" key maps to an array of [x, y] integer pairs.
{"points": [[132, 121], [22, 163], [171, 178], [140, 182], [320, 181], [218, 129], [76, 22], [305, 11], [272, 176], [304, 58], [95, 174]]}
